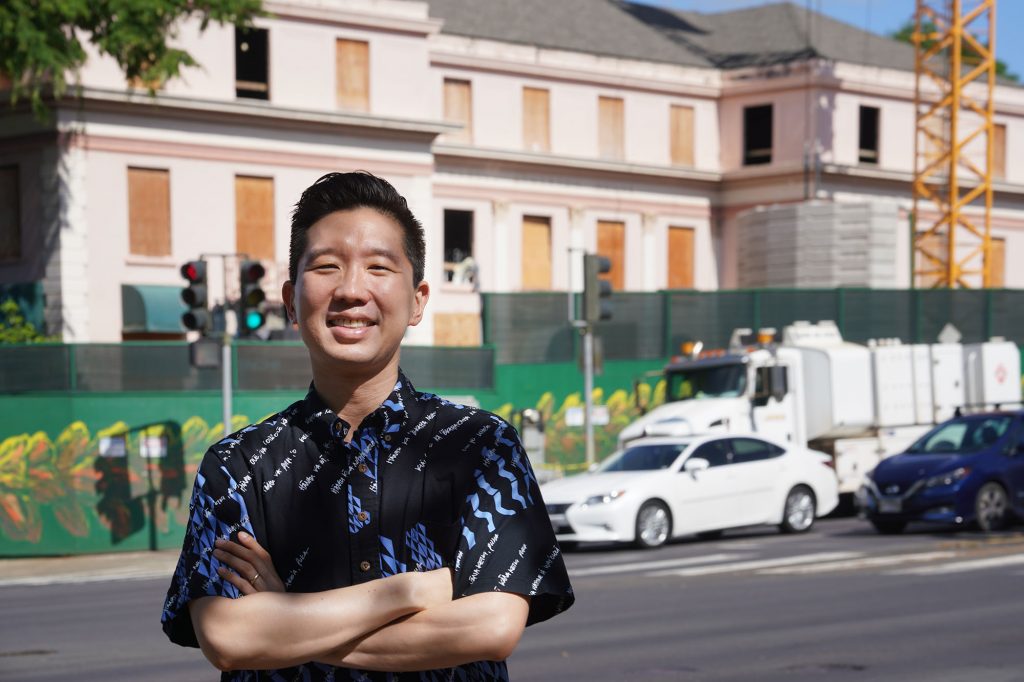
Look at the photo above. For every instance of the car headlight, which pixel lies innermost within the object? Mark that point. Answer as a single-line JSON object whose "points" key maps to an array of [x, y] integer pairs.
{"points": [[948, 478], [604, 498]]}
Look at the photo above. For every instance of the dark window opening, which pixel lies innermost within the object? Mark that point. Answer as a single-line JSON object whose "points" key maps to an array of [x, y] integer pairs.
{"points": [[757, 135], [251, 64], [868, 145], [10, 214], [458, 246]]}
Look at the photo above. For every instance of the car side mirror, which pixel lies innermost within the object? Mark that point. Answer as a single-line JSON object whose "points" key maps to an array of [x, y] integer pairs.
{"points": [[695, 464]]}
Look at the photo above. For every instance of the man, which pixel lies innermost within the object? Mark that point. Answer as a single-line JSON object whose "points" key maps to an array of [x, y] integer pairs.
{"points": [[372, 530]]}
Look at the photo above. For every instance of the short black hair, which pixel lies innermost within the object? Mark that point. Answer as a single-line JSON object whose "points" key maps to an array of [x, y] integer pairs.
{"points": [[346, 191]]}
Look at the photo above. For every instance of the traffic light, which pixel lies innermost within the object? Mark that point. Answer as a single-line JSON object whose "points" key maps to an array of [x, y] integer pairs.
{"points": [[596, 291], [196, 318], [250, 317]]}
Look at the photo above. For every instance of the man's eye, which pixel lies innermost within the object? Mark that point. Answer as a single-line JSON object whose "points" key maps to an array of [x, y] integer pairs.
{"points": [[378, 266]]}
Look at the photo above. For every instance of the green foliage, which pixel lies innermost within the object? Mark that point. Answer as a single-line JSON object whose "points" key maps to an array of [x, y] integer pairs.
{"points": [[905, 34], [14, 328], [41, 41]]}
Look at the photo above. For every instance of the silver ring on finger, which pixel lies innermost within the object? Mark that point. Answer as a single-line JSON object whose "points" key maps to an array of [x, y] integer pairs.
{"points": [[252, 580]]}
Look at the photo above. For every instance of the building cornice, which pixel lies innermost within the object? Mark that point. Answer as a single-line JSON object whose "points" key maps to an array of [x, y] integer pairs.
{"points": [[251, 113], [494, 159], [388, 22]]}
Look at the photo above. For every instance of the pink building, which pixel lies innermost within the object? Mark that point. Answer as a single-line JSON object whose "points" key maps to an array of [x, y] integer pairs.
{"points": [[518, 130]]}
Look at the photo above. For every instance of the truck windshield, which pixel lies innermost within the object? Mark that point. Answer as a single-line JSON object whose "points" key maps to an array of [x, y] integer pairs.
{"points": [[724, 381]]}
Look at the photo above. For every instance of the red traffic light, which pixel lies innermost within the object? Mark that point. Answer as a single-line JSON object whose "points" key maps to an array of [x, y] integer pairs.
{"points": [[194, 270], [252, 271]]}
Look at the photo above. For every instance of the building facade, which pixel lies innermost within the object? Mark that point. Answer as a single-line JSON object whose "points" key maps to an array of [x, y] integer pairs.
{"points": [[522, 132]]}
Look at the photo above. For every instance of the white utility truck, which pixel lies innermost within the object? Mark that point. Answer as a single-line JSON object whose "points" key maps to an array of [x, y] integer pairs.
{"points": [[857, 403]]}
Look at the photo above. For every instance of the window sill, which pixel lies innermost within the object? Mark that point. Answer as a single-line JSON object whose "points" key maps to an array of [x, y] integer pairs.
{"points": [[151, 261]]}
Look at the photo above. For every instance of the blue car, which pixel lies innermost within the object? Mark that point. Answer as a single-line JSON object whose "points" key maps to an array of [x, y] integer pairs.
{"points": [[966, 471]]}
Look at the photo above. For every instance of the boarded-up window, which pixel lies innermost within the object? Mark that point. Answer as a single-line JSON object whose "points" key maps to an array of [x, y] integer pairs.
{"points": [[997, 263], [757, 135], [999, 151], [867, 146], [457, 329], [149, 212], [458, 109], [252, 55], [10, 214], [680, 258], [936, 245], [610, 128], [536, 253], [536, 120], [681, 128], [611, 243], [254, 217], [353, 67]]}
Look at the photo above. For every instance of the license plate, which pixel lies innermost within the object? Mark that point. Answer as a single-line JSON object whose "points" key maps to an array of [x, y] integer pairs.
{"points": [[888, 506]]}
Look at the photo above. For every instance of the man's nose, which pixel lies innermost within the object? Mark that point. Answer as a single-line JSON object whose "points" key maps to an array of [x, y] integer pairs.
{"points": [[351, 285]]}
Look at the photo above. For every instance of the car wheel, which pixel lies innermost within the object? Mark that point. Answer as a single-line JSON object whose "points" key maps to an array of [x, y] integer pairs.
{"points": [[886, 527], [653, 525], [710, 534], [798, 512], [991, 507]]}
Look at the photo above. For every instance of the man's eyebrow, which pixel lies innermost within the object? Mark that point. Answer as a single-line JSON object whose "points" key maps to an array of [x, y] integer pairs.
{"points": [[381, 251]]}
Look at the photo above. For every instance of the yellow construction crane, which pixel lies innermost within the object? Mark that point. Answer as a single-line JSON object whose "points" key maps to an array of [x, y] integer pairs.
{"points": [[954, 141]]}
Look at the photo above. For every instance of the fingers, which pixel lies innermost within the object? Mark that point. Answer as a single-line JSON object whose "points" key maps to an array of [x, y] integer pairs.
{"points": [[248, 558], [242, 568], [243, 585]]}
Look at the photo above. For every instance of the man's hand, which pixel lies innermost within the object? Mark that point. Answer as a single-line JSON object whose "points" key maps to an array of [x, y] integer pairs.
{"points": [[252, 568]]}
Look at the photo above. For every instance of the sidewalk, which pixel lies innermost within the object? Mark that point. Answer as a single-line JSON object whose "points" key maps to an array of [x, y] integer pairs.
{"points": [[87, 568]]}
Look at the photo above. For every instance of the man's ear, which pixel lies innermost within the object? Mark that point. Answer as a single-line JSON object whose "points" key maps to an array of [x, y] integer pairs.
{"points": [[420, 297], [288, 296]]}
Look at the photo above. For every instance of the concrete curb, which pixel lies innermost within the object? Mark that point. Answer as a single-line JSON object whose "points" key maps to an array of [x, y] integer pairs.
{"points": [[87, 568]]}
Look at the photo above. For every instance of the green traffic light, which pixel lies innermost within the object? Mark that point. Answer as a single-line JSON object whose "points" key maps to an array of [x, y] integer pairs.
{"points": [[253, 319]]}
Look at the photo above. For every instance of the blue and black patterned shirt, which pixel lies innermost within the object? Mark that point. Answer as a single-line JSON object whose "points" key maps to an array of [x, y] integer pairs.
{"points": [[424, 483]]}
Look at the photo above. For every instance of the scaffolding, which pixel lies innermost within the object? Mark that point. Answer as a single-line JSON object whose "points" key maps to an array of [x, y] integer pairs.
{"points": [[954, 141]]}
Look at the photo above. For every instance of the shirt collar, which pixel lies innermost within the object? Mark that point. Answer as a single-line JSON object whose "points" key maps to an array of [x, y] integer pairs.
{"points": [[392, 414]]}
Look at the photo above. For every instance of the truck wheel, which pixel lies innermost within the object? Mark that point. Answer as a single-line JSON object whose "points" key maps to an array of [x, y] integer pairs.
{"points": [[991, 507], [887, 527], [653, 525], [798, 512]]}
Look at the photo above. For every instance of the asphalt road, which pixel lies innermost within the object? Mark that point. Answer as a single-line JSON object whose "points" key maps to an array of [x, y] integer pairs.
{"points": [[840, 603]]}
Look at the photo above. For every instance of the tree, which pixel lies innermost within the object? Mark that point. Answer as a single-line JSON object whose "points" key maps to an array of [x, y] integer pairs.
{"points": [[14, 328], [905, 34], [41, 41]]}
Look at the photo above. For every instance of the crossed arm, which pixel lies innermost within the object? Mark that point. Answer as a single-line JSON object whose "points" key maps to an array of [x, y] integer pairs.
{"points": [[406, 622]]}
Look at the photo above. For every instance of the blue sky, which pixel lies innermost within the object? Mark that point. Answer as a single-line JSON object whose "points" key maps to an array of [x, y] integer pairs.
{"points": [[885, 16]]}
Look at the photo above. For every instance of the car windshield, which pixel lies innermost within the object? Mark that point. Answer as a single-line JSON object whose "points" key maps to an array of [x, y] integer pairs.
{"points": [[724, 381], [643, 458], [962, 435]]}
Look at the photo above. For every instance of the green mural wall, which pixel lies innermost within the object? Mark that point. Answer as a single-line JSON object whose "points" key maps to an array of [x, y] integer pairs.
{"points": [[96, 472]]}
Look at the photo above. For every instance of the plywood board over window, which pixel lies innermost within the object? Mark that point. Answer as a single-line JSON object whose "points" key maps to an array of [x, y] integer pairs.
{"points": [[611, 243], [536, 120], [458, 109], [681, 124], [997, 263], [149, 212], [680, 257], [254, 216], [536, 253], [999, 151], [352, 59], [610, 128], [10, 214]]}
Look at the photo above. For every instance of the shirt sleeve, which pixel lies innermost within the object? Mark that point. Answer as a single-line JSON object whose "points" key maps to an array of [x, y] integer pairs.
{"points": [[507, 543], [217, 509]]}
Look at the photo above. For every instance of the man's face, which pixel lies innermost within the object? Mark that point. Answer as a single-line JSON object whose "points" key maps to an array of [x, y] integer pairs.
{"points": [[353, 297]]}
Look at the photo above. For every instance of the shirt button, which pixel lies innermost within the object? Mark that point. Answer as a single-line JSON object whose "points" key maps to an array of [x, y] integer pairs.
{"points": [[363, 516], [362, 468], [365, 566], [387, 437]]}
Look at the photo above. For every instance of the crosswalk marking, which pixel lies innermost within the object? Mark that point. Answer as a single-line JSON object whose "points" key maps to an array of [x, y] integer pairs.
{"points": [[755, 564], [853, 564], [647, 565], [963, 566]]}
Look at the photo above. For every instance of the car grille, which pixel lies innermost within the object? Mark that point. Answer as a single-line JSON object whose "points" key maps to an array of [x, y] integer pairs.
{"points": [[558, 508]]}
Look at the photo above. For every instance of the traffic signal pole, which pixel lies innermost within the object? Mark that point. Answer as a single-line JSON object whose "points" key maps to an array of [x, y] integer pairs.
{"points": [[595, 307]]}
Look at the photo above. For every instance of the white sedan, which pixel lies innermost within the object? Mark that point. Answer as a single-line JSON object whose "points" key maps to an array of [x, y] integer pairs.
{"points": [[661, 488]]}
